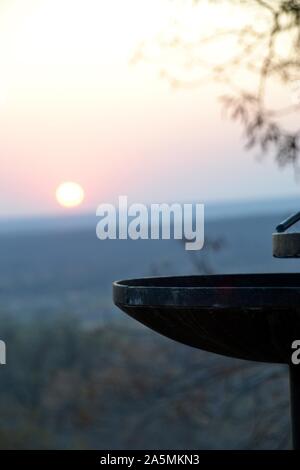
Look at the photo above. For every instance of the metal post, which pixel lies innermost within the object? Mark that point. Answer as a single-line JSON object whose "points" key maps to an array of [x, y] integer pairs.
{"points": [[295, 404]]}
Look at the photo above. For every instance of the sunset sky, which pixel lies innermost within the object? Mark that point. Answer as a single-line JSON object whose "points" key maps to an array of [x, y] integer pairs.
{"points": [[74, 108]]}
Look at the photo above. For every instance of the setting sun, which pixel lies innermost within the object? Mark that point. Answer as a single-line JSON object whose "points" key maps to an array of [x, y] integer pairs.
{"points": [[69, 194]]}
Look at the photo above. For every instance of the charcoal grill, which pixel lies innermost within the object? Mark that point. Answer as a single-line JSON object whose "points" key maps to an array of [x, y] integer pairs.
{"points": [[249, 316]]}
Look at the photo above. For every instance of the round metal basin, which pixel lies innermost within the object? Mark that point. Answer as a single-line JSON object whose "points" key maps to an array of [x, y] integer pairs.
{"points": [[248, 316]]}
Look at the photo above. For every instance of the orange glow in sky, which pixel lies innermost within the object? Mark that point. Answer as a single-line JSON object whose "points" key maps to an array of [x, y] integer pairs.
{"points": [[73, 107]]}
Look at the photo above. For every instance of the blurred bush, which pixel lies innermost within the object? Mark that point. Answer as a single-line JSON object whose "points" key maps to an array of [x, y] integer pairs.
{"points": [[113, 386]]}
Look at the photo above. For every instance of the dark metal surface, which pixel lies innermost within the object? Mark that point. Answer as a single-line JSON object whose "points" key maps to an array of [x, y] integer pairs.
{"points": [[287, 223], [286, 245], [255, 317]]}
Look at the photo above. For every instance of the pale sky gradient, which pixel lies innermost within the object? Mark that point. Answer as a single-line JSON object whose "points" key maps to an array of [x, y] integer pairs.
{"points": [[72, 108]]}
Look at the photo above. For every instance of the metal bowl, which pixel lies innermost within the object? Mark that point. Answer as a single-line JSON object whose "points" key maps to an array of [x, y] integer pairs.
{"points": [[248, 316]]}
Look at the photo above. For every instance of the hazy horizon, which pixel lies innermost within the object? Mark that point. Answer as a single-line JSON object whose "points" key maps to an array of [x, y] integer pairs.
{"points": [[214, 210]]}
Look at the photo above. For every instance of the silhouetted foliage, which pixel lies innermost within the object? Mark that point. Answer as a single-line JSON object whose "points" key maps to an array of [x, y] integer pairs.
{"points": [[267, 49]]}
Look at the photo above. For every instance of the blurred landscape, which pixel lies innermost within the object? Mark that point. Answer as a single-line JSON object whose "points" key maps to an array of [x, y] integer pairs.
{"points": [[160, 101], [80, 374]]}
